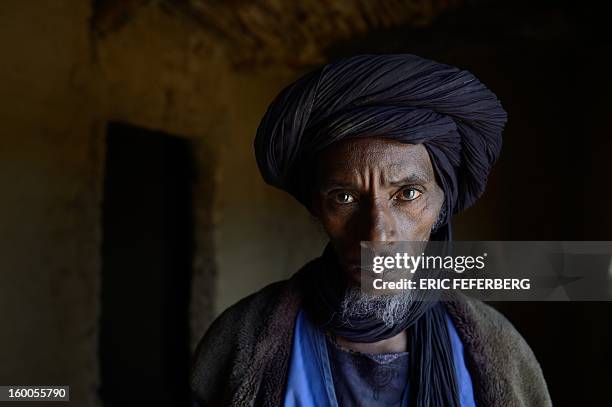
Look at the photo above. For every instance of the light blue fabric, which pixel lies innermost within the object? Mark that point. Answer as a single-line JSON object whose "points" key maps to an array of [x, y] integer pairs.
{"points": [[464, 381], [310, 382]]}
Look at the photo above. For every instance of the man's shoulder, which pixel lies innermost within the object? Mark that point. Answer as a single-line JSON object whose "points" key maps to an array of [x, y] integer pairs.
{"points": [[486, 324], [507, 367], [227, 346], [249, 309], [244, 316]]}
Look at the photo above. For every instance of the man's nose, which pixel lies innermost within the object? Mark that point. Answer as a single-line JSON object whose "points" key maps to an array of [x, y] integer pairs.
{"points": [[380, 224]]}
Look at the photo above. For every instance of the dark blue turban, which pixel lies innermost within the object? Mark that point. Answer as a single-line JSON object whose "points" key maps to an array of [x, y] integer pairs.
{"points": [[401, 97]]}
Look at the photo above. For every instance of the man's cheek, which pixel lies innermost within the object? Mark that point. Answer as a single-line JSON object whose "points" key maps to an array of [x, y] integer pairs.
{"points": [[420, 221], [336, 226], [412, 230]]}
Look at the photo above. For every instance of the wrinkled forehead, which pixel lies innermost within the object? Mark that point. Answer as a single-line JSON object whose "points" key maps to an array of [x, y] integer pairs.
{"points": [[393, 160]]}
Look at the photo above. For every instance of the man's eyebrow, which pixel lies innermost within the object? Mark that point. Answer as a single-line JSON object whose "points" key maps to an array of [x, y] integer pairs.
{"points": [[331, 184], [415, 178]]}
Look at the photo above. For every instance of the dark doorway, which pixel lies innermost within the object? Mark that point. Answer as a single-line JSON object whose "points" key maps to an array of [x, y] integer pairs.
{"points": [[147, 258]]}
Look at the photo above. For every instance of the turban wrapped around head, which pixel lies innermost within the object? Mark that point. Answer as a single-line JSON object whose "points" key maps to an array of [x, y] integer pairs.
{"points": [[401, 97]]}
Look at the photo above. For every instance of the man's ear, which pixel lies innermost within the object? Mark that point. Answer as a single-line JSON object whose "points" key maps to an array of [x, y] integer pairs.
{"points": [[441, 220]]}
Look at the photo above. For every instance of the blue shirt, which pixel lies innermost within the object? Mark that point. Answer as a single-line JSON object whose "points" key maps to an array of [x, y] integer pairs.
{"points": [[368, 379], [310, 381]]}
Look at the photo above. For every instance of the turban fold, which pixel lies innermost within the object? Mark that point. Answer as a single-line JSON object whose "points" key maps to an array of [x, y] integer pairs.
{"points": [[401, 97]]}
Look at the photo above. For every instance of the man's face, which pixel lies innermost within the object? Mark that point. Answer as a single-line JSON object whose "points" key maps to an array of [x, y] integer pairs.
{"points": [[373, 189]]}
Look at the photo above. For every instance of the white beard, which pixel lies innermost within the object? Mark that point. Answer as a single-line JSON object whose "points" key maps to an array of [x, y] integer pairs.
{"points": [[389, 308]]}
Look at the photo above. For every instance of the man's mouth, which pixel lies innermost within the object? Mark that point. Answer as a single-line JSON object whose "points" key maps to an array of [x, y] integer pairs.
{"points": [[355, 272]]}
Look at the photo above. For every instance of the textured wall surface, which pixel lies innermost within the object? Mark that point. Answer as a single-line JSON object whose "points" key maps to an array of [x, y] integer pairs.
{"points": [[297, 33], [50, 172], [61, 84], [175, 78]]}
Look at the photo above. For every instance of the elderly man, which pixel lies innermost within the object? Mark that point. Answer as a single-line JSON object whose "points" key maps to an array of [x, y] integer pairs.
{"points": [[378, 148]]}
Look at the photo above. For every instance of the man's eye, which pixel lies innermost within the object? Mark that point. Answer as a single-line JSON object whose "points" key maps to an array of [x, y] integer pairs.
{"points": [[408, 194], [344, 198]]}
